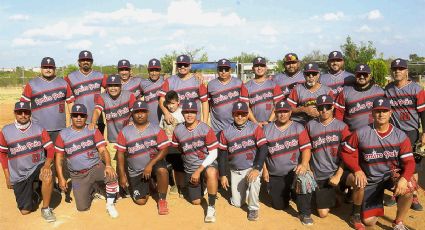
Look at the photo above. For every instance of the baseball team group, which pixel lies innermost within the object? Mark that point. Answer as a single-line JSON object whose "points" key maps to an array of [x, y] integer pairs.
{"points": [[310, 137]]}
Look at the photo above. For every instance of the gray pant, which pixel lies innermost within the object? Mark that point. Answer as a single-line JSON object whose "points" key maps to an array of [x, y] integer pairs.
{"points": [[244, 192]]}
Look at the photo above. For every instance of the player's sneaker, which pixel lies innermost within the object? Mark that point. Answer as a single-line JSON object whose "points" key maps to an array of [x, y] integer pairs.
{"points": [[111, 210], [48, 215], [174, 190], [210, 217], [253, 215], [416, 205], [162, 207], [390, 202], [306, 220], [399, 226], [356, 221]]}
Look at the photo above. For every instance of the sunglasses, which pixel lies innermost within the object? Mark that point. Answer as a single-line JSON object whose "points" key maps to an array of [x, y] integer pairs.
{"points": [[323, 107], [223, 69], [182, 65], [25, 112], [76, 115], [311, 74], [397, 68]]}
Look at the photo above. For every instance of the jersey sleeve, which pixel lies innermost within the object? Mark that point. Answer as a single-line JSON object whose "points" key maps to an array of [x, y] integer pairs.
{"points": [[99, 103], [407, 159], [260, 138], [164, 88], [211, 140], [27, 94], [47, 144], [69, 95], [345, 133], [244, 94], [3, 144], [162, 140], [420, 101], [350, 153], [105, 77], [203, 93], [131, 101], [174, 141], [293, 97], [98, 139], [277, 94], [340, 106], [121, 144], [3, 152], [222, 141], [331, 93], [304, 140], [59, 145]]}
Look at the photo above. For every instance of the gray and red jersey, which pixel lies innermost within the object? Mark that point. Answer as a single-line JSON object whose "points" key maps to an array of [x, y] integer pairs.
{"points": [[285, 147], [262, 97], [48, 101], [194, 144], [141, 146], [287, 83], [85, 87], [132, 85], [355, 107], [326, 146], [80, 147], [407, 102], [117, 112], [301, 96], [189, 89], [150, 91], [242, 145], [377, 154], [221, 99], [24, 149], [337, 81]]}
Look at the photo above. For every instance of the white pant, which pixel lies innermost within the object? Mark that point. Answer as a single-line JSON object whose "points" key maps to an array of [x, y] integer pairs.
{"points": [[244, 192]]}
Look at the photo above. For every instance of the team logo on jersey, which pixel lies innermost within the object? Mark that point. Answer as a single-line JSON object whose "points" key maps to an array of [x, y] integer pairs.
{"points": [[361, 67], [334, 53], [85, 54], [21, 104]]}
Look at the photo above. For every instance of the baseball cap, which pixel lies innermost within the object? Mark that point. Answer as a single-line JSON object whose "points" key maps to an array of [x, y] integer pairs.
{"points": [[223, 63], [113, 80], [282, 106], [240, 107], [22, 105], [85, 54], [311, 68], [335, 55], [324, 100], [381, 103], [79, 109], [154, 64], [124, 64], [290, 57], [399, 63], [48, 62], [259, 61], [189, 106], [362, 68], [183, 59], [140, 105]]}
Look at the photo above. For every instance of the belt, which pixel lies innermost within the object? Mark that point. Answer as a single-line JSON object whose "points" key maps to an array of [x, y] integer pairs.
{"points": [[83, 171]]}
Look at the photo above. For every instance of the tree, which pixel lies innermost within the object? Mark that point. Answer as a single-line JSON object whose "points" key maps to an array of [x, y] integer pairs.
{"points": [[315, 56], [196, 54], [167, 62], [379, 70], [244, 57], [416, 58], [355, 54]]}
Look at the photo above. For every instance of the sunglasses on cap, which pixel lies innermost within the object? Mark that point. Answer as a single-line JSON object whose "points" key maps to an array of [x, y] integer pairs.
{"points": [[76, 115], [223, 69], [182, 65], [25, 112], [323, 107]]}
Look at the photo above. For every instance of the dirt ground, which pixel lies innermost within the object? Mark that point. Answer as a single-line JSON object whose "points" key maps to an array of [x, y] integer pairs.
{"points": [[182, 215]]}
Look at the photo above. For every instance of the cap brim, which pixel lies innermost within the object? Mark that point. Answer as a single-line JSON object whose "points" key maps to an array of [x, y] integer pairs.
{"points": [[311, 71], [79, 59], [362, 72], [48, 66], [381, 108], [154, 67], [282, 110], [239, 111], [325, 103], [139, 109], [336, 58], [124, 67], [79, 113], [403, 67], [183, 62], [189, 110], [22, 109], [224, 66]]}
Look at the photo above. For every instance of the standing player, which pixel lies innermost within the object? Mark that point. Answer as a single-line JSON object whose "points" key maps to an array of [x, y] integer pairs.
{"points": [[289, 155], [22, 155], [408, 103], [292, 75], [337, 77], [376, 153], [354, 104], [116, 104], [48, 94], [145, 146], [223, 92], [188, 87], [150, 90], [303, 96], [128, 81], [88, 161], [86, 83], [263, 93], [242, 145], [198, 145], [326, 134]]}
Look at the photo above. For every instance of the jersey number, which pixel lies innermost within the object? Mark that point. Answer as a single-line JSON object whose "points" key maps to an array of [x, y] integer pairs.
{"points": [[294, 157], [250, 156], [35, 158], [61, 107], [201, 155], [404, 116], [90, 155]]}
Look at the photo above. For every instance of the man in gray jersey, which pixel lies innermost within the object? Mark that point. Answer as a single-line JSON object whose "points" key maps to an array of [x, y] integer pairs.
{"points": [[292, 75], [337, 77], [128, 81]]}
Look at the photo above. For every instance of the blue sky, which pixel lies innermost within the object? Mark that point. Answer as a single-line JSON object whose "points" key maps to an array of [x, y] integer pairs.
{"points": [[140, 30]]}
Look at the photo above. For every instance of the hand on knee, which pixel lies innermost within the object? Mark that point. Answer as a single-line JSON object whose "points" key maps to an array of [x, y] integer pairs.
{"points": [[196, 202]]}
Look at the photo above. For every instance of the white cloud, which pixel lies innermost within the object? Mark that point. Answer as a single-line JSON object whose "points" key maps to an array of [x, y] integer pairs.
{"points": [[18, 42], [19, 17], [337, 16], [173, 46], [190, 12], [364, 29], [64, 30], [268, 31], [374, 14], [176, 35], [126, 15], [126, 41], [79, 45]]}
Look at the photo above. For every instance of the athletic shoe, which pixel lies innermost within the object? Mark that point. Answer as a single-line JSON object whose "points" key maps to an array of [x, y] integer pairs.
{"points": [[47, 214], [416, 205], [210, 217], [391, 202], [174, 190], [98, 196], [306, 220], [162, 207], [253, 215], [399, 226], [356, 221], [111, 210]]}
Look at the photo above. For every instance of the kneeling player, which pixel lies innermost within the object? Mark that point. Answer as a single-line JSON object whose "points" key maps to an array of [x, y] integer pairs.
{"points": [[377, 153], [84, 150], [198, 145], [146, 146]]}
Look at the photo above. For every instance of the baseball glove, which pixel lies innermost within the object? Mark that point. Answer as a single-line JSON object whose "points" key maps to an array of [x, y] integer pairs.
{"points": [[304, 184]]}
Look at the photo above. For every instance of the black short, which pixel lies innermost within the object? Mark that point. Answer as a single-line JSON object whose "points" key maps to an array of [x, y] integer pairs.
{"points": [[139, 186], [25, 191], [279, 189], [343, 181], [325, 195], [176, 161], [374, 197], [195, 192]]}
